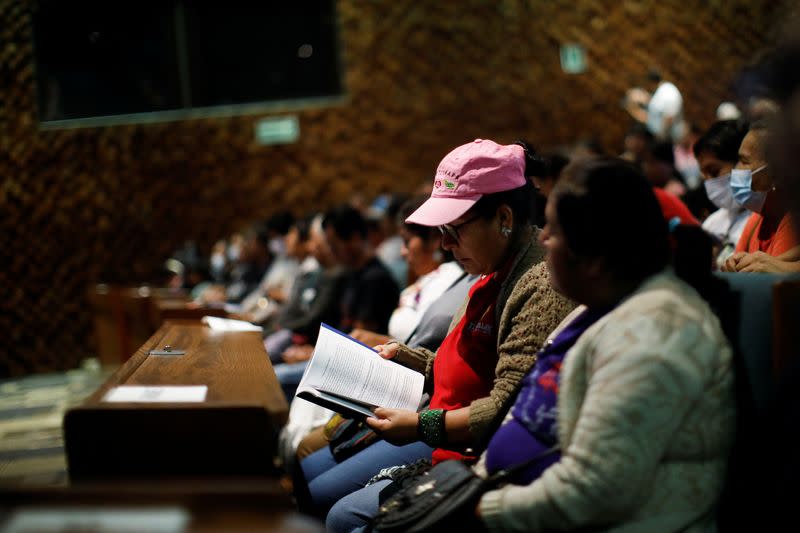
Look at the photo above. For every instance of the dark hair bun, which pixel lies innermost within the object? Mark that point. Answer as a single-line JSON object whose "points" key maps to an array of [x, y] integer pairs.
{"points": [[535, 165]]}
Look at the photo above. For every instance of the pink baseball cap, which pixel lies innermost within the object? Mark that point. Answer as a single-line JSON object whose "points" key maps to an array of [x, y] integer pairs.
{"points": [[467, 173]]}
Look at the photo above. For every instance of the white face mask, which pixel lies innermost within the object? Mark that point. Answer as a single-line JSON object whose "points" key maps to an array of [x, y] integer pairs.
{"points": [[742, 187], [719, 192], [217, 262], [277, 246]]}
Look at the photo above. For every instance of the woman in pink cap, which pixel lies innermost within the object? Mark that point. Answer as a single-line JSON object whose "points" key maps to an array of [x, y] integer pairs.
{"points": [[482, 204]]}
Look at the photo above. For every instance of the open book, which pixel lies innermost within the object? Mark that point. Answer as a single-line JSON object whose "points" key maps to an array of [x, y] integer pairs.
{"points": [[351, 378]]}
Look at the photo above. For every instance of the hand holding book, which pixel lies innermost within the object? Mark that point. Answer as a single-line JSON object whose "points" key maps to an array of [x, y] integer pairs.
{"points": [[396, 426], [388, 350]]}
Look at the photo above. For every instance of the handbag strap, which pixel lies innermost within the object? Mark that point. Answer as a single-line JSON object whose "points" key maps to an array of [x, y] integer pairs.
{"points": [[505, 474]]}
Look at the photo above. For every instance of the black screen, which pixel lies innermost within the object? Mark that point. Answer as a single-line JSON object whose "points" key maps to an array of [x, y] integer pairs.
{"points": [[101, 58]]}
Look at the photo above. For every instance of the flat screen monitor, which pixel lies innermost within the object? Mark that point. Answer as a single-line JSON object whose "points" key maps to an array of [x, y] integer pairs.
{"points": [[100, 62]]}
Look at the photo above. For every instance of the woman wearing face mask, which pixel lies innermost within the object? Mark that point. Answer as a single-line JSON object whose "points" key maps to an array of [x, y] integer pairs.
{"points": [[717, 151], [768, 242]]}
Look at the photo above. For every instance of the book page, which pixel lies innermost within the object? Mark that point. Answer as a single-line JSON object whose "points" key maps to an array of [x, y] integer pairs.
{"points": [[344, 367]]}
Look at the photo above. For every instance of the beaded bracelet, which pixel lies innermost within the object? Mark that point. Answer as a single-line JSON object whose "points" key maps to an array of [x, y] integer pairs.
{"points": [[431, 429]]}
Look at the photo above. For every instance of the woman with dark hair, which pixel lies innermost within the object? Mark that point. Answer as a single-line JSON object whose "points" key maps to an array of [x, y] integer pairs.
{"points": [[717, 151], [768, 242], [645, 409], [481, 204], [433, 269]]}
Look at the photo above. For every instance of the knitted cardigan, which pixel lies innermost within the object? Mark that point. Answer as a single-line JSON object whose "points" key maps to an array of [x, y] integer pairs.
{"points": [[527, 311], [646, 416]]}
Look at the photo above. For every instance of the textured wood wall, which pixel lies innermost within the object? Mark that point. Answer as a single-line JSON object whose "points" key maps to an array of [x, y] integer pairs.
{"points": [[110, 203]]}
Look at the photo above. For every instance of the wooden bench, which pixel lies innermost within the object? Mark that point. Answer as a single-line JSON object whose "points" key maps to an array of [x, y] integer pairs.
{"points": [[125, 317], [231, 433]]}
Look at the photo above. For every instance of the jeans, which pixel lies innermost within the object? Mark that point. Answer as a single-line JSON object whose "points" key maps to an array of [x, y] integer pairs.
{"points": [[329, 481], [289, 376], [356, 510], [276, 343]]}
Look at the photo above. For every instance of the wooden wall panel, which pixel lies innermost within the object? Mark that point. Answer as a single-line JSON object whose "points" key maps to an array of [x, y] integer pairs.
{"points": [[110, 203]]}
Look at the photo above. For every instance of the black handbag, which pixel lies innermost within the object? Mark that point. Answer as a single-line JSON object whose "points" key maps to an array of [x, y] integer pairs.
{"points": [[443, 498]]}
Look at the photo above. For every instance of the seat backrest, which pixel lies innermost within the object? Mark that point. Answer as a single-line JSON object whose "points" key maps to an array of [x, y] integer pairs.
{"points": [[751, 333], [754, 331], [111, 335], [786, 317]]}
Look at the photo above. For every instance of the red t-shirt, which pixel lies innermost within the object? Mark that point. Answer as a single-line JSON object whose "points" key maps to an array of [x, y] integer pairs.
{"points": [[774, 242], [672, 206], [464, 368]]}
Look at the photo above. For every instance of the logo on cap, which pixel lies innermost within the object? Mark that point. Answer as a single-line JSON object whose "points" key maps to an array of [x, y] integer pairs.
{"points": [[449, 185]]}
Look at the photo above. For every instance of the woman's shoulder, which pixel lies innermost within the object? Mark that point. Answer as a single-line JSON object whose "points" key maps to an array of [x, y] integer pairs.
{"points": [[536, 277], [666, 287], [667, 304], [533, 289]]}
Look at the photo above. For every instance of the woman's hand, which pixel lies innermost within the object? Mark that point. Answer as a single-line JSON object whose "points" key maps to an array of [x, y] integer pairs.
{"points": [[388, 350], [396, 426], [732, 261], [759, 262]]}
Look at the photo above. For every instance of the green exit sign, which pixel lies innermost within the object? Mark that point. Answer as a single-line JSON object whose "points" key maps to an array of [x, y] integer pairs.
{"points": [[573, 58], [278, 130]]}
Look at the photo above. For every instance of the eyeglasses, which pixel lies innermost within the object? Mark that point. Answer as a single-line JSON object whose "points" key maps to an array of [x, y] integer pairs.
{"points": [[452, 229]]}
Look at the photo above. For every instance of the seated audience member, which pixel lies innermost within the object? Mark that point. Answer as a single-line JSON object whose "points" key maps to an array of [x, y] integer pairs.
{"points": [[659, 168], [637, 139], [543, 172], [660, 172], [429, 333], [646, 412], [586, 147], [768, 242], [250, 260], [369, 293], [481, 202], [383, 214], [218, 262], [442, 285], [265, 301], [685, 161], [421, 248], [717, 152], [553, 165], [314, 297]]}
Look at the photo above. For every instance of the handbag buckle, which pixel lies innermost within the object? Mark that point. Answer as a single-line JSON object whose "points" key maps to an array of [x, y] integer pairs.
{"points": [[425, 487]]}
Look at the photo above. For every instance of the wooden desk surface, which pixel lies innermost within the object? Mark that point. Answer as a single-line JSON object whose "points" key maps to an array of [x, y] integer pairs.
{"points": [[232, 432], [234, 366]]}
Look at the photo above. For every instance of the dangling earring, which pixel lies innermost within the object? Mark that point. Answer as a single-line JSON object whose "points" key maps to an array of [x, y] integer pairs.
{"points": [[505, 231]]}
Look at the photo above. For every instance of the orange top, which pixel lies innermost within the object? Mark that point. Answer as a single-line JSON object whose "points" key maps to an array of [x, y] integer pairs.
{"points": [[774, 243]]}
